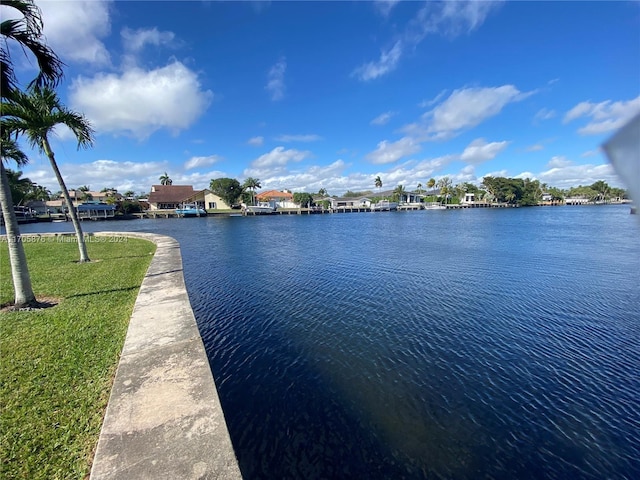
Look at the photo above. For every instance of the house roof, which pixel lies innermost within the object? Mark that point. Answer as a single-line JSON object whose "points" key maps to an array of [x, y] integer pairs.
{"points": [[77, 194], [349, 199], [273, 194], [170, 193]]}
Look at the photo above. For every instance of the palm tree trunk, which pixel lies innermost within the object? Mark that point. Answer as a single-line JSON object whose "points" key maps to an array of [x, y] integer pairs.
{"points": [[84, 257], [24, 295]]}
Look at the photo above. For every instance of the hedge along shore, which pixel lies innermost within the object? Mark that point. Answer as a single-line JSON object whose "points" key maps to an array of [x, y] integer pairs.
{"points": [[164, 419]]}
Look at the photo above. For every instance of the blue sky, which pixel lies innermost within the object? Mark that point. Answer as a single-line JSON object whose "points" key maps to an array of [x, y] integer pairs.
{"points": [[310, 95]]}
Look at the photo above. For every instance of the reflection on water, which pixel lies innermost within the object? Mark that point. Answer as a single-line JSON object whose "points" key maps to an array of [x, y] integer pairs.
{"points": [[499, 344]]}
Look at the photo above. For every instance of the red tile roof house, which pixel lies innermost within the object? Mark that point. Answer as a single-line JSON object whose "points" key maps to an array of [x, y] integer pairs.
{"points": [[282, 199], [170, 197]]}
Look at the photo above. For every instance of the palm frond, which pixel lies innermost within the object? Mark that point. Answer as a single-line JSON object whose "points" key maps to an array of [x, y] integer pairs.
{"points": [[11, 151], [35, 114], [27, 33]]}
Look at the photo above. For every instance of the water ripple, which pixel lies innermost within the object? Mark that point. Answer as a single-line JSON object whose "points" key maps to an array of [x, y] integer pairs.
{"points": [[463, 345]]}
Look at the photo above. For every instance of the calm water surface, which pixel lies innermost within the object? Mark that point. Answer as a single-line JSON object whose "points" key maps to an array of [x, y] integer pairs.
{"points": [[470, 344]]}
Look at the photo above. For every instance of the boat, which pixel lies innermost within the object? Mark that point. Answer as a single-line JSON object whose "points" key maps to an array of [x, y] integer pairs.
{"points": [[435, 206], [93, 210], [262, 208], [23, 215], [384, 206], [191, 210]]}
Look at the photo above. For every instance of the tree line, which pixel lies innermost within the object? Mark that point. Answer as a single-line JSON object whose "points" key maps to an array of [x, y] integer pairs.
{"points": [[32, 114], [525, 192]]}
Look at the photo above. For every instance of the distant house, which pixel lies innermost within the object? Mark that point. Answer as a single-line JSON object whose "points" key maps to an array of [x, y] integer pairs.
{"points": [[39, 206], [208, 200], [170, 197], [350, 202], [78, 197], [411, 198], [468, 198], [407, 198], [95, 209], [282, 199]]}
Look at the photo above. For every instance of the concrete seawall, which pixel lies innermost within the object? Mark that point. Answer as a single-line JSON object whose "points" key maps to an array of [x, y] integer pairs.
{"points": [[164, 419]]}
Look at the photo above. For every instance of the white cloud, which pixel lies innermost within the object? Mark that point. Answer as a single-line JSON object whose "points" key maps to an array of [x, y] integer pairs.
{"points": [[390, 152], [125, 175], [573, 175], [433, 101], [199, 162], [136, 40], [535, 148], [559, 162], [275, 80], [480, 151], [256, 141], [383, 118], [274, 163], [74, 29], [298, 138], [496, 173], [449, 18], [428, 167], [604, 116], [140, 102], [387, 62], [544, 114], [384, 7], [591, 153], [469, 107], [443, 18], [199, 180], [309, 180], [279, 157]]}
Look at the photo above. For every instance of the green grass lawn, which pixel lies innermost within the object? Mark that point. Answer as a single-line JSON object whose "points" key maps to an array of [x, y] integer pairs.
{"points": [[57, 364]]}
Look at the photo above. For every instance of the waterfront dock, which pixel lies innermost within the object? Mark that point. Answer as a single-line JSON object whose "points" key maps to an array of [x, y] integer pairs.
{"points": [[457, 206], [317, 210]]}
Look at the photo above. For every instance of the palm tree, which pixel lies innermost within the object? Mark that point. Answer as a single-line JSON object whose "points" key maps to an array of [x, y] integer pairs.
{"points": [[251, 184], [602, 189], [419, 188], [39, 193], [431, 183], [23, 291], [399, 193], [378, 184], [322, 192], [85, 193], [19, 187], [27, 32], [165, 180], [445, 187], [35, 115]]}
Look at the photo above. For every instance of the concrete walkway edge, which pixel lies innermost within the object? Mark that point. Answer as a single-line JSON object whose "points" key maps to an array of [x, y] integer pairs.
{"points": [[164, 419]]}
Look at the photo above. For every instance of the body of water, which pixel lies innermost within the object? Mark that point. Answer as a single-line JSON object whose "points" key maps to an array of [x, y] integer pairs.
{"points": [[485, 343]]}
